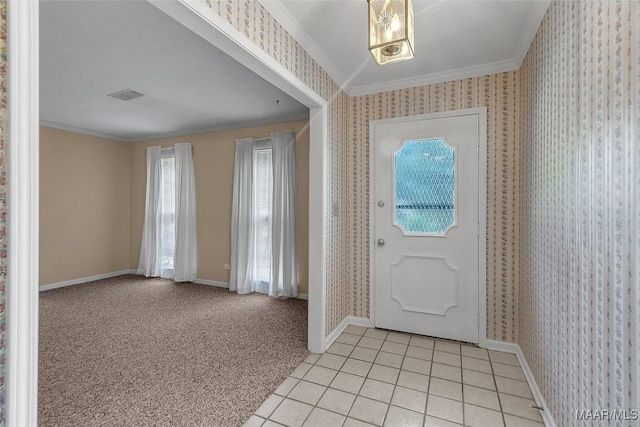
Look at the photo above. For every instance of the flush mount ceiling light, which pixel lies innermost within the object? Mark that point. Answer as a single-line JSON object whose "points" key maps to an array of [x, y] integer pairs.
{"points": [[390, 30]]}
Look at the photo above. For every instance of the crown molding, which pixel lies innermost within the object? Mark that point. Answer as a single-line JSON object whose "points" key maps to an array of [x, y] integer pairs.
{"points": [[187, 132], [300, 35], [433, 78], [538, 11], [84, 131]]}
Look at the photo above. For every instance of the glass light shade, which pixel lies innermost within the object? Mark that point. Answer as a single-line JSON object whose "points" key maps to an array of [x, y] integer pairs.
{"points": [[390, 30]]}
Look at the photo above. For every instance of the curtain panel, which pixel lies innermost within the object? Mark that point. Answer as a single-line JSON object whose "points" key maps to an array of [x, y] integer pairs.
{"points": [[170, 216], [283, 279]]}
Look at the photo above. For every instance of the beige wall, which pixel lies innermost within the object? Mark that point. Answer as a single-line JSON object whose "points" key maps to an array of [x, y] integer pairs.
{"points": [[213, 157], [84, 205]]}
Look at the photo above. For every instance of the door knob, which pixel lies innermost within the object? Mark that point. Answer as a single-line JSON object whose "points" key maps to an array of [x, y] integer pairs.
{"points": [[381, 242]]}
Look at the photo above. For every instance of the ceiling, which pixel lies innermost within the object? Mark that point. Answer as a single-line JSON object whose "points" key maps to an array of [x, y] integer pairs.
{"points": [[89, 49], [454, 39]]}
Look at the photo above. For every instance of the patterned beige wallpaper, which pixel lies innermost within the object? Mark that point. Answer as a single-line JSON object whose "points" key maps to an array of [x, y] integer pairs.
{"points": [[499, 92], [3, 195], [580, 211]]}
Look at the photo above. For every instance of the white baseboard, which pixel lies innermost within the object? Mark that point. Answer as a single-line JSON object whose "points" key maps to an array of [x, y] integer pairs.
{"points": [[211, 283], [85, 280], [509, 347], [226, 286], [349, 320]]}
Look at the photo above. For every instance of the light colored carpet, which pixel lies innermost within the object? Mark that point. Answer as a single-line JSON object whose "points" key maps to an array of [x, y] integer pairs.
{"points": [[131, 351]]}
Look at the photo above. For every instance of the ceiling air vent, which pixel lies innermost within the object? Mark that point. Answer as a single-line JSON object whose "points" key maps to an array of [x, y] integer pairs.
{"points": [[126, 95]]}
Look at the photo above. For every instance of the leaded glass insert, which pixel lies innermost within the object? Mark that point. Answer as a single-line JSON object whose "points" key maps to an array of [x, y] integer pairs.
{"points": [[425, 187]]}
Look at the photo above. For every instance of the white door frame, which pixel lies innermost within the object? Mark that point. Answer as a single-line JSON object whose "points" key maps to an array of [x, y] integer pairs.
{"points": [[22, 142], [481, 112]]}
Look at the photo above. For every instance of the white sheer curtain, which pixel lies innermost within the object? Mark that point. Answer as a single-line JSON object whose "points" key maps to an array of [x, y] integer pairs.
{"points": [[185, 263], [151, 247], [242, 223], [169, 245], [284, 269], [263, 225]]}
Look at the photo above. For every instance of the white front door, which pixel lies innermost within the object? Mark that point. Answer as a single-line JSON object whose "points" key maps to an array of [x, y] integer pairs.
{"points": [[426, 231]]}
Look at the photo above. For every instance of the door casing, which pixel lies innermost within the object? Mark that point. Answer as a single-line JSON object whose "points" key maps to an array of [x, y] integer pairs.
{"points": [[481, 112]]}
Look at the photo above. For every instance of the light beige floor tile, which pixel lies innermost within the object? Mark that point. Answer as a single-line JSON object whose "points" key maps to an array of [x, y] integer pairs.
{"points": [[430, 421], [520, 407], [481, 397], [312, 358], [356, 367], [368, 410], [320, 375], [389, 359], [269, 405], [287, 385], [340, 349], [331, 361], [378, 390], [352, 422], [475, 416], [254, 421], [337, 401], [446, 388], [291, 413], [416, 365], [509, 371], [449, 347], [439, 407], [421, 342], [323, 418], [515, 387], [394, 347], [301, 370], [419, 352], [409, 399], [400, 417], [474, 364], [347, 382], [413, 380], [398, 337], [478, 379], [366, 354], [371, 343], [446, 372], [384, 373], [356, 330], [502, 357], [513, 421], [478, 353], [446, 358], [270, 423], [346, 338], [307, 392], [378, 334]]}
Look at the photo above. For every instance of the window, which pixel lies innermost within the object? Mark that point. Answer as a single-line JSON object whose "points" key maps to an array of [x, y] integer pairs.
{"points": [[424, 174], [167, 212], [263, 204]]}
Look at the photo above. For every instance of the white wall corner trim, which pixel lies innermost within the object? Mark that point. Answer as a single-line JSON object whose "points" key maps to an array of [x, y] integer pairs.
{"points": [[22, 153], [538, 8], [514, 348], [88, 279], [349, 320]]}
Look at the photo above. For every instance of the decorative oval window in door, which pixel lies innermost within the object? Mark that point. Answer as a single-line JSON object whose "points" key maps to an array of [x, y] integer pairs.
{"points": [[424, 175]]}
